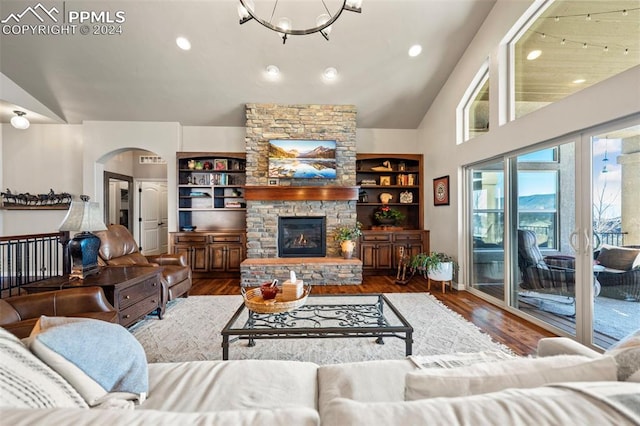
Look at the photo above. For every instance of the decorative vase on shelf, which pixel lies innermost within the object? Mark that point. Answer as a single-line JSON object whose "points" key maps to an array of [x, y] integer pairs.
{"points": [[347, 247], [386, 222]]}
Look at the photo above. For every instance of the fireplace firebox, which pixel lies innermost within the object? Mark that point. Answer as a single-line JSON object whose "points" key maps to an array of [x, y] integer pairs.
{"points": [[302, 236]]}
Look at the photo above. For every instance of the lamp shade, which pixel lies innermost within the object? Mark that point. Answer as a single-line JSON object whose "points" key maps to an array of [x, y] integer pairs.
{"points": [[83, 216]]}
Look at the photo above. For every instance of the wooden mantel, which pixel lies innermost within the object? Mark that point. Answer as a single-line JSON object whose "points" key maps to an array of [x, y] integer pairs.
{"points": [[301, 193]]}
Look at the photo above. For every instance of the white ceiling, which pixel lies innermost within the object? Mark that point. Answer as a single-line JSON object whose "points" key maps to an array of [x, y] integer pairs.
{"points": [[141, 75]]}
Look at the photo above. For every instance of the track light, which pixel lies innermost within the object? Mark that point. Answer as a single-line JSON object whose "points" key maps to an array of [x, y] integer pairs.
{"points": [[20, 121]]}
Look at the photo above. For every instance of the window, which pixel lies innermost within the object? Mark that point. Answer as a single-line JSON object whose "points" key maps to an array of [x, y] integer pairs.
{"points": [[571, 45], [475, 112]]}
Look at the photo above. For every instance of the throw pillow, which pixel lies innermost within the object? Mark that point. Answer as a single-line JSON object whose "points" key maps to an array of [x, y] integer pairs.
{"points": [[101, 360], [27, 382], [618, 257], [627, 354], [495, 376]]}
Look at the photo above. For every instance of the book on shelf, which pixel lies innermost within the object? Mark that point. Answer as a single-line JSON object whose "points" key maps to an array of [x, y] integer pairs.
{"points": [[233, 204]]}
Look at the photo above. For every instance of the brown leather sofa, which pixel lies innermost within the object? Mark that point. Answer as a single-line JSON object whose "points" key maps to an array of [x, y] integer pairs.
{"points": [[118, 248], [19, 314]]}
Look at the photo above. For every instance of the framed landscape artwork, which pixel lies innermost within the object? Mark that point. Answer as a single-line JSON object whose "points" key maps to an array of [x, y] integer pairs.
{"points": [[441, 191]]}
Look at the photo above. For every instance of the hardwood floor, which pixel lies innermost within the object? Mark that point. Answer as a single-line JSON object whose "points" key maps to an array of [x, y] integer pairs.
{"points": [[504, 327]]}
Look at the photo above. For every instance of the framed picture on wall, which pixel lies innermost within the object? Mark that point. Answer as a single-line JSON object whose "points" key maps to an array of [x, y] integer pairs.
{"points": [[441, 191]]}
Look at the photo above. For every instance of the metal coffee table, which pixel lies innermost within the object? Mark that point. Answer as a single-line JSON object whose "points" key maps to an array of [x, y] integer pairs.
{"points": [[323, 316]]}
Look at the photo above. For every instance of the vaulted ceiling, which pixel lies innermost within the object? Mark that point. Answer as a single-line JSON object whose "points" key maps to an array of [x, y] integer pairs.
{"points": [[141, 75]]}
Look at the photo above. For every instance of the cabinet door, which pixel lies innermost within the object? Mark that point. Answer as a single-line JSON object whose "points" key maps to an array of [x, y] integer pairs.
{"points": [[199, 258], [217, 257], [235, 255], [384, 253], [368, 255]]}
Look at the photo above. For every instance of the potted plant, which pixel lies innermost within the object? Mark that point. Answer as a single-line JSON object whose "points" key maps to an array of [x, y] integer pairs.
{"points": [[436, 266], [346, 236], [387, 215]]}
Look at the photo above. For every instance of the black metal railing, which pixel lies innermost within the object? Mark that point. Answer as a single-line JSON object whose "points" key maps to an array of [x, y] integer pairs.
{"points": [[28, 258], [612, 238]]}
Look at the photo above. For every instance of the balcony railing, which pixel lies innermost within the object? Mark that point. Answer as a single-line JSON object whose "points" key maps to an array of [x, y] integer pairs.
{"points": [[28, 258], [612, 238]]}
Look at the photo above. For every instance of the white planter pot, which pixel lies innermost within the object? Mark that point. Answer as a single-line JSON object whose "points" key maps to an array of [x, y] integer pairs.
{"points": [[444, 272]]}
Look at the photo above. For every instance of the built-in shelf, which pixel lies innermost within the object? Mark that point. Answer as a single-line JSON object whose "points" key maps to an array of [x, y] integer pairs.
{"points": [[301, 193]]}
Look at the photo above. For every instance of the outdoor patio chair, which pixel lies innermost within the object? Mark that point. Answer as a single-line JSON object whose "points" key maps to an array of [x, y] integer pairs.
{"points": [[540, 276]]}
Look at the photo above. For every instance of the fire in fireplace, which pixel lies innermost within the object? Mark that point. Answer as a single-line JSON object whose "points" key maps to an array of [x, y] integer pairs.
{"points": [[302, 236]]}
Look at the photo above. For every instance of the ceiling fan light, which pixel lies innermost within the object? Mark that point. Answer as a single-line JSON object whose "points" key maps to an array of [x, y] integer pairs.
{"points": [[323, 19], [19, 121], [356, 4]]}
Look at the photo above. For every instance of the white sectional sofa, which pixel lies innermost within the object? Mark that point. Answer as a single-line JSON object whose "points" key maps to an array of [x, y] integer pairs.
{"points": [[399, 392]]}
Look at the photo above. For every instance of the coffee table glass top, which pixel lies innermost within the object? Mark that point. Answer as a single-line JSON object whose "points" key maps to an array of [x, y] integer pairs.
{"points": [[323, 313]]}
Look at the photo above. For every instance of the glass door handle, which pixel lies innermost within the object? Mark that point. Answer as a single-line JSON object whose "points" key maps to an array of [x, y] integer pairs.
{"points": [[573, 240], [587, 241]]}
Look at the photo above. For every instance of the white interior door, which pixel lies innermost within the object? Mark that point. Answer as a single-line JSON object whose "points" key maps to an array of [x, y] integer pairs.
{"points": [[153, 217]]}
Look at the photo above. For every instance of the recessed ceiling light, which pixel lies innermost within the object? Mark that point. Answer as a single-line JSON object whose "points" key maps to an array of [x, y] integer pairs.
{"points": [[579, 81], [330, 73], [273, 70], [415, 50], [534, 54], [183, 43]]}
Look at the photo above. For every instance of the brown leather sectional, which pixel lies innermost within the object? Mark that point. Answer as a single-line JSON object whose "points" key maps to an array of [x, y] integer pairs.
{"points": [[19, 314]]}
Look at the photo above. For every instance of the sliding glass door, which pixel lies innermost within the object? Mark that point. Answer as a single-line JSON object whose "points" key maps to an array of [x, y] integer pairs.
{"points": [[615, 188], [554, 233], [487, 226], [544, 269]]}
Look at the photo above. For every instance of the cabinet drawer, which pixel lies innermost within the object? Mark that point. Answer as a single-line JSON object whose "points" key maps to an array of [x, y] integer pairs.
{"points": [[133, 294], [134, 312], [414, 237], [376, 237], [191, 239], [226, 238]]}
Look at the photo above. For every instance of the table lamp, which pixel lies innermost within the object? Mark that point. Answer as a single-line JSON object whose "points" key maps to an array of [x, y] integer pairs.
{"points": [[83, 217]]}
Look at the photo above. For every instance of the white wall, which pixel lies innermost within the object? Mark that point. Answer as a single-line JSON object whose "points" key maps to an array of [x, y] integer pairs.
{"points": [[391, 141], [606, 101], [44, 157]]}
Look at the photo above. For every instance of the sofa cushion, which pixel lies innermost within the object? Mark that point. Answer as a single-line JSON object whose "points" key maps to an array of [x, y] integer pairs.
{"points": [[627, 354], [78, 417], [534, 407], [27, 382], [101, 360], [621, 258], [231, 385], [518, 373]]}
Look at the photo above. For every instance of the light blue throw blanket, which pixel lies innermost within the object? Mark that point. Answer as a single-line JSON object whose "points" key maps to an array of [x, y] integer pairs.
{"points": [[106, 352]]}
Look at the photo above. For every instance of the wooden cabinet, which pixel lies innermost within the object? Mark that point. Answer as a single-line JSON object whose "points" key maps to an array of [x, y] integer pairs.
{"points": [[396, 178], [380, 251], [195, 247], [376, 249], [396, 175], [211, 191], [226, 251], [208, 252]]}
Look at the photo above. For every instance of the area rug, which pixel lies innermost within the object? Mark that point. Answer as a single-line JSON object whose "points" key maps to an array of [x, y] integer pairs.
{"points": [[191, 329]]}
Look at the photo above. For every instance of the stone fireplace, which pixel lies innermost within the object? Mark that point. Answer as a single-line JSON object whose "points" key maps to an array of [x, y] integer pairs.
{"points": [[267, 203], [302, 236]]}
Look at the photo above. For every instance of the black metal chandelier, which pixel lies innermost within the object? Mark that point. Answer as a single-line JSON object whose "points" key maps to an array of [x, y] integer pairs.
{"points": [[247, 12]]}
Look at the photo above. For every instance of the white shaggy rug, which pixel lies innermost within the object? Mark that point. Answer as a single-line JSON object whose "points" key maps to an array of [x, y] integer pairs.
{"points": [[191, 329]]}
